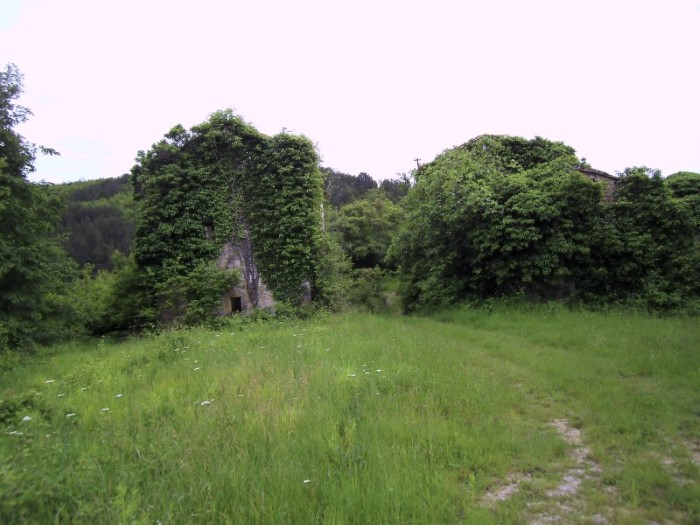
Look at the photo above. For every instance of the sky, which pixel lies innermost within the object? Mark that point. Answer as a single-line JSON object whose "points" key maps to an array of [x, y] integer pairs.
{"points": [[374, 84]]}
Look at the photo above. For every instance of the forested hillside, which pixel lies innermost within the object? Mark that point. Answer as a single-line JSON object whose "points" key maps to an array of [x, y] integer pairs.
{"points": [[97, 220]]}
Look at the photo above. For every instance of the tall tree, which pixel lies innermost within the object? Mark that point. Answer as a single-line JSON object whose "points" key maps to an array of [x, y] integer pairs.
{"points": [[341, 188], [367, 227], [32, 263]]}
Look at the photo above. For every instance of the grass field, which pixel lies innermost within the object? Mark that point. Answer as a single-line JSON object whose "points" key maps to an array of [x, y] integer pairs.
{"points": [[508, 416]]}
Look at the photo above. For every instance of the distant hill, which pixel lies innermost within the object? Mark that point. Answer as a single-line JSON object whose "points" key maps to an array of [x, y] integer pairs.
{"points": [[98, 219]]}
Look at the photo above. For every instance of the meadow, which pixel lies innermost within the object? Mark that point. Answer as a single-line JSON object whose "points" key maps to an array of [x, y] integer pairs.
{"points": [[509, 415]]}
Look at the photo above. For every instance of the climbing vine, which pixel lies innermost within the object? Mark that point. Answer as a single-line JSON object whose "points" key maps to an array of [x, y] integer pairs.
{"points": [[284, 192], [223, 181]]}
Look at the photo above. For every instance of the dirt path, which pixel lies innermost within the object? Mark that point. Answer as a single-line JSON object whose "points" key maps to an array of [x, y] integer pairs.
{"points": [[563, 503]]}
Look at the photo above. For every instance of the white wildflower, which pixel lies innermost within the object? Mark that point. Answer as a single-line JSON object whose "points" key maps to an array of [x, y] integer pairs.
{"points": [[119, 395], [197, 368], [307, 481], [49, 381], [27, 418], [104, 409], [70, 415]]}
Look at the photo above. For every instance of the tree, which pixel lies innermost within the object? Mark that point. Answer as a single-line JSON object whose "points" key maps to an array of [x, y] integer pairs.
{"points": [[342, 188], [396, 189], [497, 216], [685, 186], [366, 228], [655, 261], [504, 215], [33, 266]]}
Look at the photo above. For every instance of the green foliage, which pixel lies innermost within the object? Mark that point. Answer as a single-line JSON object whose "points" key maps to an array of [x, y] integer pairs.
{"points": [[654, 260], [16, 152], [191, 296], [100, 191], [366, 228], [99, 302], [506, 216], [93, 233], [492, 218], [396, 189], [366, 292], [341, 188], [223, 181], [97, 220], [333, 274], [284, 214], [33, 266], [685, 186], [515, 154]]}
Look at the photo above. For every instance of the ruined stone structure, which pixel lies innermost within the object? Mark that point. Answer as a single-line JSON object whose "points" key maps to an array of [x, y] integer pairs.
{"points": [[610, 181], [251, 292]]}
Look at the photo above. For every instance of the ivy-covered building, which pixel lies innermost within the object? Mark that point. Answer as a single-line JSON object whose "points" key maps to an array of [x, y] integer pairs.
{"points": [[226, 211]]}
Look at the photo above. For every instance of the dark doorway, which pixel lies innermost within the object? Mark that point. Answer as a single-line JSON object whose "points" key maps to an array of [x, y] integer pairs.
{"points": [[236, 304]]}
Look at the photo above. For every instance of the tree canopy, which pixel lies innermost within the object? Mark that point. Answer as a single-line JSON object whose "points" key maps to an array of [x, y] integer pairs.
{"points": [[98, 220], [366, 228], [33, 266], [504, 215]]}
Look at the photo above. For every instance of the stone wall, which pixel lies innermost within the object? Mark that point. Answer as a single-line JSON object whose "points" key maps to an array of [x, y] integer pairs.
{"points": [[610, 181], [232, 258]]}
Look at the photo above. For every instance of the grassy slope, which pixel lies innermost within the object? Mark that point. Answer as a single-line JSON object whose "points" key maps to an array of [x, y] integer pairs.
{"points": [[391, 420]]}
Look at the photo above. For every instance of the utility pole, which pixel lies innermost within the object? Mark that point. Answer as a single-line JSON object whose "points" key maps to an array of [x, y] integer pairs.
{"points": [[417, 162]]}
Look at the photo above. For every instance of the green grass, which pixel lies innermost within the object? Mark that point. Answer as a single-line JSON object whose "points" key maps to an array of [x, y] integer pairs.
{"points": [[390, 419]]}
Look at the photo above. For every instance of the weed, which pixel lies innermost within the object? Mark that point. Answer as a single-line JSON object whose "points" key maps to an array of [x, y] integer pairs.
{"points": [[360, 419]]}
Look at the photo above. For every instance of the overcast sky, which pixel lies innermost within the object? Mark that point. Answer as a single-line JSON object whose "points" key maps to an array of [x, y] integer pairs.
{"points": [[374, 84]]}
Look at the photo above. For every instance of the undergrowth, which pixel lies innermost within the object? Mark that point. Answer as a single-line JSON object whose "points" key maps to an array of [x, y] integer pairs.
{"points": [[355, 419]]}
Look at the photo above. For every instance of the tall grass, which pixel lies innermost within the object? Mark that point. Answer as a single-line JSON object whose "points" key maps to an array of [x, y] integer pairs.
{"points": [[355, 419]]}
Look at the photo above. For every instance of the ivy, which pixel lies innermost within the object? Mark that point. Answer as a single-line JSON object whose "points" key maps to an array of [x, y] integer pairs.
{"points": [[504, 216], [223, 181]]}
